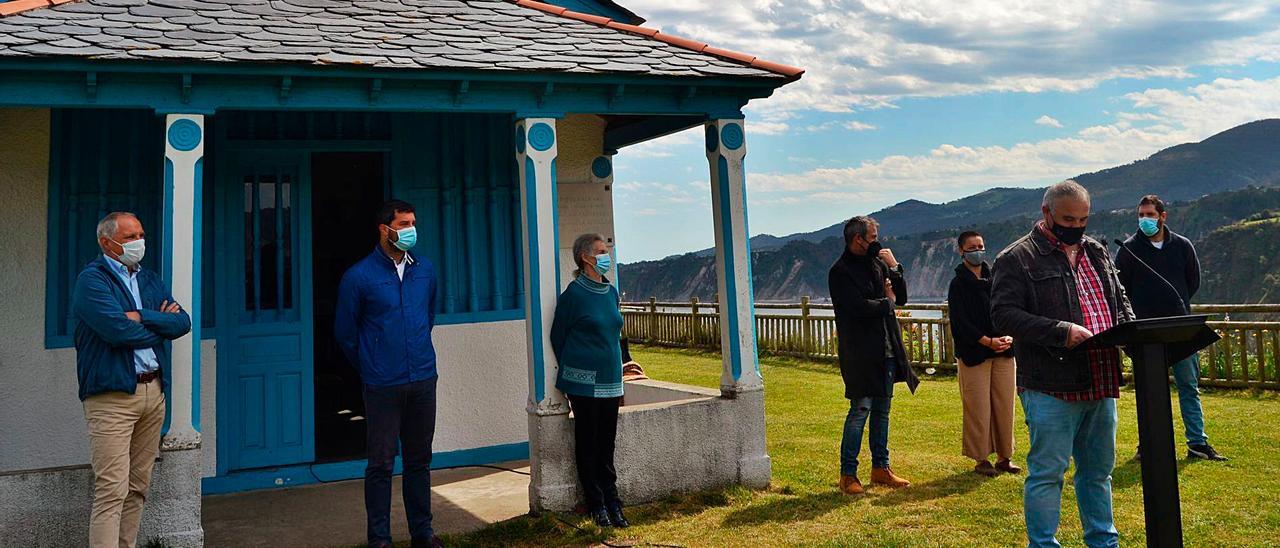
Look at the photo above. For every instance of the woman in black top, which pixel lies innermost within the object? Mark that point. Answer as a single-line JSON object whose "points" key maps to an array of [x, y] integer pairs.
{"points": [[986, 369]]}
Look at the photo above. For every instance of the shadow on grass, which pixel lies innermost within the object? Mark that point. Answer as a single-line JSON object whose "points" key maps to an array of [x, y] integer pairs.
{"points": [[789, 509], [815, 505], [955, 484], [1129, 474], [679, 506]]}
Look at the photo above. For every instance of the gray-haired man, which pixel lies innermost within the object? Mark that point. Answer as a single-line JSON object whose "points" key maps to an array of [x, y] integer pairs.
{"points": [[125, 317], [1051, 290]]}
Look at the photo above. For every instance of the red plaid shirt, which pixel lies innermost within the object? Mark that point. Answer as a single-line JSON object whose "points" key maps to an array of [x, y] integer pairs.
{"points": [[1104, 363]]}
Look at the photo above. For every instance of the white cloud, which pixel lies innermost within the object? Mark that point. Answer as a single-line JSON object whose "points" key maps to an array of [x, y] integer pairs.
{"points": [[869, 53], [858, 126], [1159, 118], [1046, 120]]}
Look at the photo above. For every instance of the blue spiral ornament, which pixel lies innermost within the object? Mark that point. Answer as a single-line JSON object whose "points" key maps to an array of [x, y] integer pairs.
{"points": [[732, 136], [541, 137], [601, 167], [185, 135]]}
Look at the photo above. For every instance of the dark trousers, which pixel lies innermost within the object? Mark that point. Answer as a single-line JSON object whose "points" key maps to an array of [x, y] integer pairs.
{"points": [[404, 413], [595, 427]]}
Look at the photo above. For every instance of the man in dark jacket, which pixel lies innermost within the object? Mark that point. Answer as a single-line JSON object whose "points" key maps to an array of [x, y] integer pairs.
{"points": [[1052, 290], [125, 318], [384, 317], [866, 285], [1174, 258]]}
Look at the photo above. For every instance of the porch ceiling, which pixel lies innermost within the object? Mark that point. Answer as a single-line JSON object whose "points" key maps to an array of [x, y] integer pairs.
{"points": [[524, 36]]}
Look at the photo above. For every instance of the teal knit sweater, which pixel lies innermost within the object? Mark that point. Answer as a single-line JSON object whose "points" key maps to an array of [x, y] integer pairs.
{"points": [[585, 336]]}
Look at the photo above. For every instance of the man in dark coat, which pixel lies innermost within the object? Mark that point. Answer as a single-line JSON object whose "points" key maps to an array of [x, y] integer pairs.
{"points": [[1172, 256], [866, 286]]}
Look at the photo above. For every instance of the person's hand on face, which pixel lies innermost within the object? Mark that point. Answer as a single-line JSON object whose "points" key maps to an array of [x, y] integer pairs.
{"points": [[888, 258]]}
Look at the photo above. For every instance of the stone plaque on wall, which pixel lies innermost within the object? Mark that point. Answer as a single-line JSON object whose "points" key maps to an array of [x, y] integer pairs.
{"points": [[582, 208]]}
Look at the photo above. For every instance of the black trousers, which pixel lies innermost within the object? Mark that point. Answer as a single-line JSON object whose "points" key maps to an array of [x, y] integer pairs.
{"points": [[400, 419], [595, 427]]}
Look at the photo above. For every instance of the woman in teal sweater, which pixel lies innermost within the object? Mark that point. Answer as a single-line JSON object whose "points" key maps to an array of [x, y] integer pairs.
{"points": [[585, 335]]}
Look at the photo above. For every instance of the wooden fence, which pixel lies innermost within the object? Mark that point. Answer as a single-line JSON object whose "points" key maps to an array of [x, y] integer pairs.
{"points": [[1246, 357]]}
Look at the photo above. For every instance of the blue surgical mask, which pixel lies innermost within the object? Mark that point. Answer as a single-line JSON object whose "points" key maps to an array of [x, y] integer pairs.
{"points": [[406, 238], [1149, 226], [603, 263], [975, 258]]}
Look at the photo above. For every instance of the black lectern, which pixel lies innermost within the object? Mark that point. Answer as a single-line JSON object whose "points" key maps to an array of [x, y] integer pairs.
{"points": [[1154, 345]]}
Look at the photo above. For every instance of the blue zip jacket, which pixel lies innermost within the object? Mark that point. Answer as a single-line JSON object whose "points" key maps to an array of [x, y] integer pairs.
{"points": [[383, 324], [106, 338]]}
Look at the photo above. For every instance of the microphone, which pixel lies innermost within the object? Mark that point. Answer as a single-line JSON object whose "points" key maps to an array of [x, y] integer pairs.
{"points": [[1182, 304]]}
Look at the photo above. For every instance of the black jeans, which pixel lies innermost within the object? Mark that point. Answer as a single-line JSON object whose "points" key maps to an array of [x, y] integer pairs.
{"points": [[406, 413], [595, 427]]}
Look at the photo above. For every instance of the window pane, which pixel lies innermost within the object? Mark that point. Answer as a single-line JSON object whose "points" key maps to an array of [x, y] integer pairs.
{"points": [[268, 245], [286, 238], [250, 299]]}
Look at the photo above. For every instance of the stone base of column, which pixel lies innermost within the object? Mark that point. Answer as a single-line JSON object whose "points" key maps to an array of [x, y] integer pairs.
{"points": [[553, 482], [755, 468], [172, 513]]}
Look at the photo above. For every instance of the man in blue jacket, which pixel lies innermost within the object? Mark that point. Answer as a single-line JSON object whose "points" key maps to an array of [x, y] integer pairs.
{"points": [[385, 312], [125, 318]]}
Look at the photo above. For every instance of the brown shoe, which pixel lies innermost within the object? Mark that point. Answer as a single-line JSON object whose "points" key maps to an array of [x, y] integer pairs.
{"points": [[850, 485], [1009, 467], [984, 468], [886, 477]]}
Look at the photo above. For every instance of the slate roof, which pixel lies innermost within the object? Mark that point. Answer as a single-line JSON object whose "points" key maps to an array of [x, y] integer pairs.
{"points": [[490, 35]]}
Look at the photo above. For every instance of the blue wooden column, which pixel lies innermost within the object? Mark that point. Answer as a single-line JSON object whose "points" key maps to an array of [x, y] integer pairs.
{"points": [[536, 150], [183, 205], [726, 151]]}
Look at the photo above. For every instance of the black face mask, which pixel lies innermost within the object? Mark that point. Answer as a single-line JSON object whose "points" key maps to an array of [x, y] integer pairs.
{"points": [[1066, 235], [873, 249]]}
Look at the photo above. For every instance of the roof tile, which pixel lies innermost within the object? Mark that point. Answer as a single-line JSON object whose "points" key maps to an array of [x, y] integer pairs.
{"points": [[498, 35]]}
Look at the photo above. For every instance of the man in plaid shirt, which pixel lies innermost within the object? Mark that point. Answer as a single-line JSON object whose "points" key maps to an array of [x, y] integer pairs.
{"points": [[1051, 290]]}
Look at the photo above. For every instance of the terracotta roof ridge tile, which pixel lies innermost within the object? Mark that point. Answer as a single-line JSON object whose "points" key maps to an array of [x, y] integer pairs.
{"points": [[685, 43], [19, 6]]}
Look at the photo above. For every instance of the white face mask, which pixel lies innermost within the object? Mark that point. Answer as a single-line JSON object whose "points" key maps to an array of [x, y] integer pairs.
{"points": [[133, 252]]}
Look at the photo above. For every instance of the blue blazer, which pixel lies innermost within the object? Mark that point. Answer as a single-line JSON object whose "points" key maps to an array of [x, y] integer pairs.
{"points": [[383, 323], [106, 339]]}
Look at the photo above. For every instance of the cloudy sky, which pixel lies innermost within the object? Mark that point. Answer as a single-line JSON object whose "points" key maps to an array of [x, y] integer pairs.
{"points": [[938, 99]]}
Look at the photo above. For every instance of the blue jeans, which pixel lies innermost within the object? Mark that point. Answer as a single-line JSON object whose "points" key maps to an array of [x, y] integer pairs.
{"points": [[1186, 375], [1062, 430], [406, 414], [851, 442]]}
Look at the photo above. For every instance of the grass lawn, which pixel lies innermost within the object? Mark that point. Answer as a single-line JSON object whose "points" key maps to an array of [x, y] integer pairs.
{"points": [[1236, 503]]}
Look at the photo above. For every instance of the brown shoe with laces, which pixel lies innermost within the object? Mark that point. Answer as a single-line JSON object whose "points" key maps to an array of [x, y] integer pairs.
{"points": [[886, 477], [850, 485]]}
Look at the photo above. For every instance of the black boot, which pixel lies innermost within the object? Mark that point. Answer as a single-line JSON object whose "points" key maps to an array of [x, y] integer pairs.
{"points": [[616, 518], [600, 516]]}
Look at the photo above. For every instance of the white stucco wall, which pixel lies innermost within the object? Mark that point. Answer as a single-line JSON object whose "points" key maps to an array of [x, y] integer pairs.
{"points": [[483, 385], [583, 206], [41, 420]]}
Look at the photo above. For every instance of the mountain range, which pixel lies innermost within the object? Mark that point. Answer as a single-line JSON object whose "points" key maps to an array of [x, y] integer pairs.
{"points": [[1214, 187]]}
